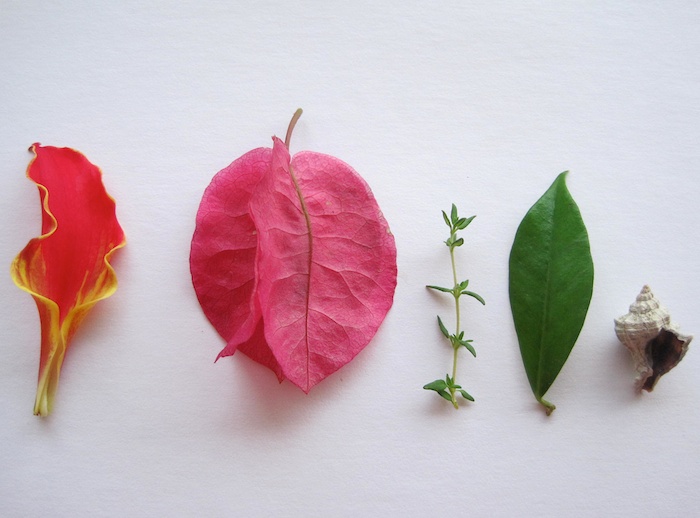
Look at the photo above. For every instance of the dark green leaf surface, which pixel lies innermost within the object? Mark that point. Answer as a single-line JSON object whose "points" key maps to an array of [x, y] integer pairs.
{"points": [[436, 385], [466, 395], [443, 328], [467, 344], [551, 283], [440, 288], [476, 296], [445, 395], [447, 220]]}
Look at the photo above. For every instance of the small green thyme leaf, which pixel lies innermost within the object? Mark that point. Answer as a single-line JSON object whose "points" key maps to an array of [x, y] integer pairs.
{"points": [[466, 395], [466, 223], [447, 220], [440, 288], [436, 385], [476, 296], [445, 395], [453, 214], [468, 346], [443, 328]]}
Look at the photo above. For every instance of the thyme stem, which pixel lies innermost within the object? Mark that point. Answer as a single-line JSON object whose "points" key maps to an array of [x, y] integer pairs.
{"points": [[448, 388], [456, 294]]}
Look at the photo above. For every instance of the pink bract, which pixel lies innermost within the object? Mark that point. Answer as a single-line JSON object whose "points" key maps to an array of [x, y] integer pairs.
{"points": [[293, 262]]}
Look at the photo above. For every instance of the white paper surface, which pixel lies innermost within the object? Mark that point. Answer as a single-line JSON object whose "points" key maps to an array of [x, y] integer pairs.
{"points": [[478, 103]]}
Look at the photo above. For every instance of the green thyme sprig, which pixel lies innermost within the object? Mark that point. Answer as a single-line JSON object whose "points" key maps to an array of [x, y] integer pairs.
{"points": [[447, 388]]}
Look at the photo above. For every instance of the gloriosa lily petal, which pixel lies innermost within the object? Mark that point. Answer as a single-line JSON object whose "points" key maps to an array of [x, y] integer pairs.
{"points": [[67, 268]]}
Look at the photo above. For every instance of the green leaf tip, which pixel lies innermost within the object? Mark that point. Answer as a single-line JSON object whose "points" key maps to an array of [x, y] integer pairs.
{"points": [[550, 284]]}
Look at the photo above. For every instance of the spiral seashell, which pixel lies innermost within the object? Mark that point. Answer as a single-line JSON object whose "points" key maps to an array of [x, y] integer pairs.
{"points": [[654, 341]]}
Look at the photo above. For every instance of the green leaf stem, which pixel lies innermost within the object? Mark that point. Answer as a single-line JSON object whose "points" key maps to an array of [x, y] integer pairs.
{"points": [[551, 283]]}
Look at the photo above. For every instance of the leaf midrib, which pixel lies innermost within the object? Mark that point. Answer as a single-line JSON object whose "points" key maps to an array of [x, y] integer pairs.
{"points": [[543, 327], [546, 308], [307, 218]]}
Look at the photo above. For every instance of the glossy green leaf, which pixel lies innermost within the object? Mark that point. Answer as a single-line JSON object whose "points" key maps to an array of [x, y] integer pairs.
{"points": [[551, 283]]}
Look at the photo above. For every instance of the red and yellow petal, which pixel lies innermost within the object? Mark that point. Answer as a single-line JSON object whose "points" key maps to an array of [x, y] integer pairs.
{"points": [[67, 268]]}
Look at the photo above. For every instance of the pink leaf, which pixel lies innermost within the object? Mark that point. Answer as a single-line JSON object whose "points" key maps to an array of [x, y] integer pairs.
{"points": [[293, 261], [222, 257]]}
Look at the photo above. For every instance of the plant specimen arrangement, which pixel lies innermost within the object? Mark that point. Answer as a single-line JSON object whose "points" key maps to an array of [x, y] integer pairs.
{"points": [[550, 285], [448, 388]]}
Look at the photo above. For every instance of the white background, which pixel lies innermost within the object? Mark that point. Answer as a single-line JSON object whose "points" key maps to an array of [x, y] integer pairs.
{"points": [[479, 103]]}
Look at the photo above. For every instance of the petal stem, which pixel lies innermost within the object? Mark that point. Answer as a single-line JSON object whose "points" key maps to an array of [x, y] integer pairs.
{"points": [[48, 380]]}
